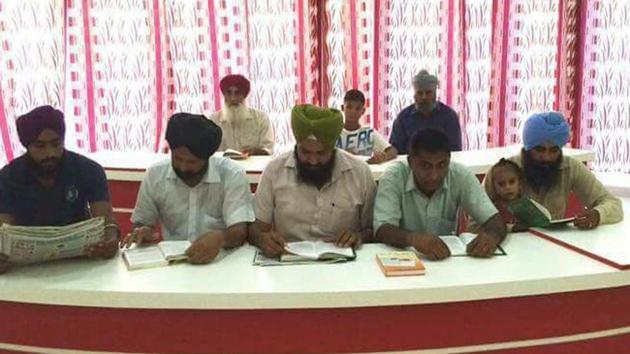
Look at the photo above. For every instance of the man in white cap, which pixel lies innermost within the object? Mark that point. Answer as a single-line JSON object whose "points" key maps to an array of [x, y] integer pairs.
{"points": [[426, 112]]}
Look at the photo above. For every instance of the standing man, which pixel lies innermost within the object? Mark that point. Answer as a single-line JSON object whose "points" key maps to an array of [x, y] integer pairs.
{"points": [[550, 177], [50, 186], [426, 112], [315, 191], [194, 196], [418, 201], [244, 128]]}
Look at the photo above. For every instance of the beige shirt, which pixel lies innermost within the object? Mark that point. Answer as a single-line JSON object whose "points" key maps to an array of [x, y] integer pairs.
{"points": [[299, 211], [576, 178], [254, 132]]}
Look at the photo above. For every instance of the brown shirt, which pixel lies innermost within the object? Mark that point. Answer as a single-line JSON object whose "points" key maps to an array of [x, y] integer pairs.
{"points": [[576, 178], [300, 211]]}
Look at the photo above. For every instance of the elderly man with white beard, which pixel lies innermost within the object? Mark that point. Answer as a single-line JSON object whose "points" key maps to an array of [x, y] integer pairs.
{"points": [[244, 128]]}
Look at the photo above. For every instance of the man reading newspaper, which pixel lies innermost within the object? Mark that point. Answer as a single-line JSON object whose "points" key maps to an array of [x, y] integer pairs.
{"points": [[50, 186]]}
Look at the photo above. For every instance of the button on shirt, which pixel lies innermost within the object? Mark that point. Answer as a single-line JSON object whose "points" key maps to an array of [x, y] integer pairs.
{"points": [[300, 211], [79, 181], [411, 120], [401, 204], [220, 200], [254, 131]]}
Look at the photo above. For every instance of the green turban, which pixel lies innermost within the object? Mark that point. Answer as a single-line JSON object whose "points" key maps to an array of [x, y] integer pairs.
{"points": [[325, 124]]}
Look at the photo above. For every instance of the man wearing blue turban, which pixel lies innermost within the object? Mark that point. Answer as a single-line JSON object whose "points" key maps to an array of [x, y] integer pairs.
{"points": [[550, 177]]}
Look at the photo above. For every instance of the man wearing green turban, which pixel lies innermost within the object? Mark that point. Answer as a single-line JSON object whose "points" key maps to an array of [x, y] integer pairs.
{"points": [[314, 192]]}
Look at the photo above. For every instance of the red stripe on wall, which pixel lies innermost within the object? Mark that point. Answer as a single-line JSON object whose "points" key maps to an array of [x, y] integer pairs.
{"points": [[214, 48], [354, 44], [579, 75], [502, 87], [559, 66], [4, 130], [301, 65], [376, 119], [464, 60], [159, 90], [89, 73], [449, 52]]}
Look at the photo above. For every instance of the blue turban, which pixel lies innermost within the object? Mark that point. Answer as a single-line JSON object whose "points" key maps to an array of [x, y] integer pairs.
{"points": [[546, 127]]}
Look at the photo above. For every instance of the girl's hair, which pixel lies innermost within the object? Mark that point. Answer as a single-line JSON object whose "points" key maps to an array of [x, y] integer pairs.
{"points": [[509, 164]]}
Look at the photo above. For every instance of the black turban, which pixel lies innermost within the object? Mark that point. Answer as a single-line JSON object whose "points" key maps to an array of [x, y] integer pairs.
{"points": [[194, 131]]}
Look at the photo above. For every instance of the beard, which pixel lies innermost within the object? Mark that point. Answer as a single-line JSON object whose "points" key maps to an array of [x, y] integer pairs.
{"points": [[47, 167], [426, 106], [540, 176], [189, 175], [315, 175], [235, 114]]}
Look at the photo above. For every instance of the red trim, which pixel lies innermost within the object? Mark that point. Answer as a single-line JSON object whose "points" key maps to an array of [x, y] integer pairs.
{"points": [[364, 329], [159, 112], [89, 74], [301, 65], [559, 56], [354, 46], [321, 58], [579, 74], [502, 84], [4, 130], [378, 18], [464, 60], [583, 252], [449, 52], [214, 48]]}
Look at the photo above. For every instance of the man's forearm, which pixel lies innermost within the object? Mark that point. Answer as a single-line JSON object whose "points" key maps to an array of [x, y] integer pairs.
{"points": [[495, 226], [235, 235], [394, 236], [255, 230]]}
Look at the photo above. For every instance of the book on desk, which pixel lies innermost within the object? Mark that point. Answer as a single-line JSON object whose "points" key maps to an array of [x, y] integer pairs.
{"points": [[307, 252]]}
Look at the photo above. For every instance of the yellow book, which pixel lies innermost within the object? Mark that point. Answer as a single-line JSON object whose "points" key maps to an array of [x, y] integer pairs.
{"points": [[400, 263]]}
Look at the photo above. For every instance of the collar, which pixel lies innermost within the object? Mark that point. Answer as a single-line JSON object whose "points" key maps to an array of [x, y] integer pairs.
{"points": [[211, 175]]}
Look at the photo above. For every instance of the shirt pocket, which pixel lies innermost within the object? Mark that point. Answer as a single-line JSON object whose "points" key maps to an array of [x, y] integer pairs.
{"points": [[342, 214]]}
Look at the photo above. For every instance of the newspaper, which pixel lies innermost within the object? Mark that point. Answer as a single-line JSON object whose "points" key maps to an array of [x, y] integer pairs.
{"points": [[33, 244]]}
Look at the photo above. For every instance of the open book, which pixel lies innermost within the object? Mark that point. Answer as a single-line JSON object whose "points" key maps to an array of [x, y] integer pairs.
{"points": [[457, 244], [305, 252], [33, 244], [159, 255], [400, 263], [532, 214], [235, 154]]}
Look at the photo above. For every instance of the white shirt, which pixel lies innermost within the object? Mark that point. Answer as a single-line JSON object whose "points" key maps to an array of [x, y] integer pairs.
{"points": [[363, 141], [220, 200], [254, 131], [299, 211]]}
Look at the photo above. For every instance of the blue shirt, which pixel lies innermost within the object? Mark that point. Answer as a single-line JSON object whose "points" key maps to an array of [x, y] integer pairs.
{"points": [[79, 181], [400, 203], [411, 120]]}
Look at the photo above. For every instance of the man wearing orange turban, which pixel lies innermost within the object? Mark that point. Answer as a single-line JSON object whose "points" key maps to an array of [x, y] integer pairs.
{"points": [[244, 128]]}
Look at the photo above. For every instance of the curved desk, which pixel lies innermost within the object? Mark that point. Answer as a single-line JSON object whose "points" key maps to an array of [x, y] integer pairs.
{"points": [[539, 298]]}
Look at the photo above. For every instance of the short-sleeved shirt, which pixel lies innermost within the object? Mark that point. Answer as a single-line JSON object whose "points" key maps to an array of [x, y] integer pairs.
{"points": [[79, 181], [254, 131], [299, 211], [410, 120], [220, 200], [400, 203], [363, 141]]}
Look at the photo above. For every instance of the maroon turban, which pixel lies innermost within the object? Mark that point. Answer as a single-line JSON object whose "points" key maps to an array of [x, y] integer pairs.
{"points": [[31, 124], [241, 83]]}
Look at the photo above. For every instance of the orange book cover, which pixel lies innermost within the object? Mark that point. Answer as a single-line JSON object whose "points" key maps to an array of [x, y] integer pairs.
{"points": [[400, 263]]}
